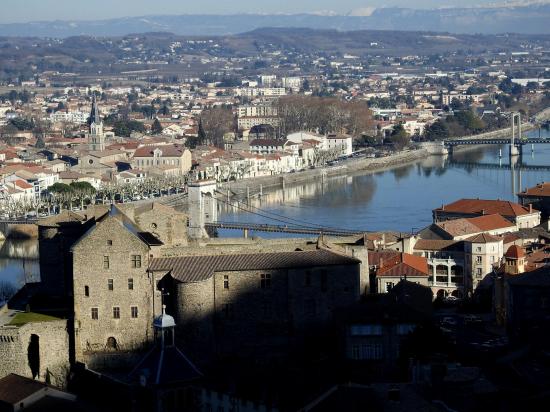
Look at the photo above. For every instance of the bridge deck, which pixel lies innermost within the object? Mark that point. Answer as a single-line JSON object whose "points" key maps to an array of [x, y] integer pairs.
{"points": [[283, 229], [500, 141]]}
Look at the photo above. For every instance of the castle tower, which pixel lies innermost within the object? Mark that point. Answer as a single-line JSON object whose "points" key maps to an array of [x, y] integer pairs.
{"points": [[96, 137]]}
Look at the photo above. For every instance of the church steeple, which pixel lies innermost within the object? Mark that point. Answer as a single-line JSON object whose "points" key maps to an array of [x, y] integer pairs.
{"points": [[94, 113], [96, 137]]}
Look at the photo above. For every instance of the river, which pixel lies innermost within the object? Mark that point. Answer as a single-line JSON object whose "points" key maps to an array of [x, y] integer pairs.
{"points": [[400, 199]]}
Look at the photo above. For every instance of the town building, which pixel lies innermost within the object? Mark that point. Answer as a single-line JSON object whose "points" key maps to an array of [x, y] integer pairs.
{"points": [[538, 197], [522, 216], [167, 160]]}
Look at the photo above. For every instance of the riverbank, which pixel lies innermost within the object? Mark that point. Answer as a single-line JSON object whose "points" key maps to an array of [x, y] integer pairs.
{"points": [[256, 184]]}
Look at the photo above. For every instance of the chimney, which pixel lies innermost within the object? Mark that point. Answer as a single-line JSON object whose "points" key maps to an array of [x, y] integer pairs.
{"points": [[530, 208]]}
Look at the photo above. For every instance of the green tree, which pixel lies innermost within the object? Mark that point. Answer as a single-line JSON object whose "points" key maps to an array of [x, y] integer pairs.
{"points": [[59, 188], [437, 131], [399, 137], [157, 127], [201, 134], [40, 144]]}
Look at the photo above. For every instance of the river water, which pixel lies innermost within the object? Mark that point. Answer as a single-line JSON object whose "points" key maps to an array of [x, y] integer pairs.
{"points": [[400, 199]]}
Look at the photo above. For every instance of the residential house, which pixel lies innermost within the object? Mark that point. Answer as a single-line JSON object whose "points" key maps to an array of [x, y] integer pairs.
{"points": [[522, 216]]}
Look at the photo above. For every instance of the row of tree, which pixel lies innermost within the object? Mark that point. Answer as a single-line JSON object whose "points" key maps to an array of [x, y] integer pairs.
{"points": [[323, 115]]}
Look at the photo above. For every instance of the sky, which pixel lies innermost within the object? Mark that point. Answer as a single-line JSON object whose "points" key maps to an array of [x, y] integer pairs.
{"points": [[40, 10]]}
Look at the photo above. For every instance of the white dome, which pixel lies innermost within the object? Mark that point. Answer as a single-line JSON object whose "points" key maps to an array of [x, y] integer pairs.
{"points": [[164, 321]]}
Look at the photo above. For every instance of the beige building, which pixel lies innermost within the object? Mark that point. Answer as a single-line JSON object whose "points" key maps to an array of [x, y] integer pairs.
{"points": [[482, 253], [170, 159]]}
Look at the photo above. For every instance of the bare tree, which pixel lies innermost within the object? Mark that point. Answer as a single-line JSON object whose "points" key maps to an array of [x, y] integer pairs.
{"points": [[216, 122]]}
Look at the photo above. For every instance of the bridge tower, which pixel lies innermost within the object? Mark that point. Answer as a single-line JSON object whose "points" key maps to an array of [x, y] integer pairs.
{"points": [[203, 207], [515, 146]]}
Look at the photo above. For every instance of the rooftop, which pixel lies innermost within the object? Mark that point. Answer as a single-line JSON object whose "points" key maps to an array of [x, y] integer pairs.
{"points": [[485, 207], [541, 190], [198, 268]]}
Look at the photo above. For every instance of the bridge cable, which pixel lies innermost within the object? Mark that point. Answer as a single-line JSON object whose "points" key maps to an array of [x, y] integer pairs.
{"points": [[314, 227], [303, 223]]}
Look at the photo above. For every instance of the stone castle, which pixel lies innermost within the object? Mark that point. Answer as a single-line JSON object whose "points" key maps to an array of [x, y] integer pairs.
{"points": [[113, 268]]}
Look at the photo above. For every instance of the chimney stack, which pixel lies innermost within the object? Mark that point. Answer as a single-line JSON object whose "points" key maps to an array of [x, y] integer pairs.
{"points": [[530, 208]]}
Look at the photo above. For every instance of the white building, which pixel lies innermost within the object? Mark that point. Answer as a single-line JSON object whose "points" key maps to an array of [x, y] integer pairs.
{"points": [[70, 117]]}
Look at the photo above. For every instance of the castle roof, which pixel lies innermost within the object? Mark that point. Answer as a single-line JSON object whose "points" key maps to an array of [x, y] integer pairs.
{"points": [[199, 268]]}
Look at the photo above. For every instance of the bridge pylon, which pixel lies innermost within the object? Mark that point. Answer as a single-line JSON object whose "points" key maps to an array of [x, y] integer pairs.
{"points": [[515, 145]]}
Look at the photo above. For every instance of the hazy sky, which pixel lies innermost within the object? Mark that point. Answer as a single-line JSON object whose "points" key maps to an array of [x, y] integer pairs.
{"points": [[33, 10]]}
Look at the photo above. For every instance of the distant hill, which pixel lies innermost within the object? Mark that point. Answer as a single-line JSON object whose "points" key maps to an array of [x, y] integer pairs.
{"points": [[527, 19]]}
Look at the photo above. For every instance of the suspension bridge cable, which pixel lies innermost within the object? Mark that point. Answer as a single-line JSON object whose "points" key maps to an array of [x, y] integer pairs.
{"points": [[300, 222], [314, 227]]}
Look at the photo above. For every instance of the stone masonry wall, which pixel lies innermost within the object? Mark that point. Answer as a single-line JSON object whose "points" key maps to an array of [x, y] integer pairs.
{"points": [[109, 239], [52, 345]]}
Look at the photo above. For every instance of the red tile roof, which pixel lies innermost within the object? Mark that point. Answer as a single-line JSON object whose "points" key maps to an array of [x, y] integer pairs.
{"points": [[466, 226], [397, 264], [491, 222], [541, 190], [483, 238], [169, 150], [485, 207], [514, 252]]}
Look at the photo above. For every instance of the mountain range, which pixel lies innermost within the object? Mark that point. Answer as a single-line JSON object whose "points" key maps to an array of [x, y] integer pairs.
{"points": [[530, 18]]}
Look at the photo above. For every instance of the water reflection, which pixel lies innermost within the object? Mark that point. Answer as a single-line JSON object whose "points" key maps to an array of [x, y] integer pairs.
{"points": [[19, 262], [402, 198]]}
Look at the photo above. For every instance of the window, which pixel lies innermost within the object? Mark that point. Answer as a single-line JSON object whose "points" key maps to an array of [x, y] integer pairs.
{"points": [[116, 312], [478, 260], [389, 286], [86, 291], [130, 284], [228, 310], [109, 243], [105, 262], [479, 272], [265, 281], [95, 313], [226, 281], [136, 261], [110, 284], [478, 249], [134, 312]]}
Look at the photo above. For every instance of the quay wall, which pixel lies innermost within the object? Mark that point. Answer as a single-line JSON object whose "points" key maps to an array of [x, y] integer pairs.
{"points": [[350, 166]]}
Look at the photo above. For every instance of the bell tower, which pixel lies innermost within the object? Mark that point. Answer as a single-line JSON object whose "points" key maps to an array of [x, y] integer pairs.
{"points": [[96, 137]]}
